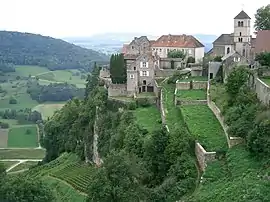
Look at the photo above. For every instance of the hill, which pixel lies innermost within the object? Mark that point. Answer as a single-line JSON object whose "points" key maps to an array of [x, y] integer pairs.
{"points": [[31, 49]]}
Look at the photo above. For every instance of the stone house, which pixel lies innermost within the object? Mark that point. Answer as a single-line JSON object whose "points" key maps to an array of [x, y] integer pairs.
{"points": [[186, 43], [240, 40]]}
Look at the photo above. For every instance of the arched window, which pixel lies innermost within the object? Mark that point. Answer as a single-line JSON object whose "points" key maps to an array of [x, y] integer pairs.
{"points": [[228, 50], [240, 33], [239, 23], [242, 24]]}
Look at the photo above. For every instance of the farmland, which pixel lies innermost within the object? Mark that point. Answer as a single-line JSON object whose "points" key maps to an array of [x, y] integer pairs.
{"points": [[22, 153], [47, 110], [203, 124]]}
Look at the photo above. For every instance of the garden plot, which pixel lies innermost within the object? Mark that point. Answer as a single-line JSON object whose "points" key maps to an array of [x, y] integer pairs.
{"points": [[203, 124], [3, 138]]}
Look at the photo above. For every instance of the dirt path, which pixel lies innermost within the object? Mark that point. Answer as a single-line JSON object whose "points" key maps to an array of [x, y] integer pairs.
{"points": [[19, 162]]}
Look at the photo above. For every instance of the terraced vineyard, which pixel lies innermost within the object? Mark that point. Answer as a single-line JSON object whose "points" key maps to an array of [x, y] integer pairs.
{"points": [[77, 175]]}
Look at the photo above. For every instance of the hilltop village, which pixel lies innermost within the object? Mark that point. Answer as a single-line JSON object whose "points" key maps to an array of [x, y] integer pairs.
{"points": [[148, 60]]}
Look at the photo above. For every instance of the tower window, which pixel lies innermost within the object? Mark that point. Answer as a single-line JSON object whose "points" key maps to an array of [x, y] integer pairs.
{"points": [[242, 24], [134, 68], [240, 33], [239, 24], [228, 50]]}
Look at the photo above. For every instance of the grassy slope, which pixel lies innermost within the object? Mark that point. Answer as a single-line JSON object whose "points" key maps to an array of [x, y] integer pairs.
{"points": [[203, 124], [24, 165], [149, 118], [191, 94], [239, 177]]}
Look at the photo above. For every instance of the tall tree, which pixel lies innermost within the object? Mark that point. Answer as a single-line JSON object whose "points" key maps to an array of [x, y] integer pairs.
{"points": [[262, 18]]}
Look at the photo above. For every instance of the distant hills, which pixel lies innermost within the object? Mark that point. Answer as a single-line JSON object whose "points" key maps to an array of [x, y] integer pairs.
{"points": [[112, 42], [31, 49]]}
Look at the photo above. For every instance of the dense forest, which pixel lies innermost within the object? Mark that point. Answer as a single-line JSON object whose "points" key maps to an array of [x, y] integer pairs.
{"points": [[31, 49]]}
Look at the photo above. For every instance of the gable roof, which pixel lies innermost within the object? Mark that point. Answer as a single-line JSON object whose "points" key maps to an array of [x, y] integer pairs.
{"points": [[224, 39], [242, 15], [179, 41], [262, 42]]}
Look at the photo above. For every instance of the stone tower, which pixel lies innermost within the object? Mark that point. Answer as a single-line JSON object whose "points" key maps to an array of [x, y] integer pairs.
{"points": [[242, 36]]}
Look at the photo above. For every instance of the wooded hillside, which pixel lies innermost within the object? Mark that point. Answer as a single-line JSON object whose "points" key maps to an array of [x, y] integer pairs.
{"points": [[31, 49]]}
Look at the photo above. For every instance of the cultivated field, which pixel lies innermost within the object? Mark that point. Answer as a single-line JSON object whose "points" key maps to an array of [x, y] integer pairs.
{"points": [[22, 153], [3, 138], [47, 110], [24, 136]]}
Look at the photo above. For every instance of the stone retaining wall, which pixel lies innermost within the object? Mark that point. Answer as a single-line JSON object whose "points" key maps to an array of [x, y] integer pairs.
{"points": [[263, 91], [203, 156], [178, 101], [199, 85], [188, 85], [117, 90]]}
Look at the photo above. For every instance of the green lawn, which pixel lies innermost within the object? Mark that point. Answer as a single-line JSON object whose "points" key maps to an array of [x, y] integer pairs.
{"points": [[199, 94], [22, 153], [203, 124], [18, 137], [24, 165], [149, 118]]}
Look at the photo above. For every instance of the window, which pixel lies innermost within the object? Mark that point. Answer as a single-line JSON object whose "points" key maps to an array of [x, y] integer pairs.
{"points": [[240, 34], [132, 47], [134, 68], [168, 50], [239, 24], [144, 73], [240, 39], [144, 64], [242, 24], [249, 23], [228, 50], [131, 76], [144, 82], [160, 50]]}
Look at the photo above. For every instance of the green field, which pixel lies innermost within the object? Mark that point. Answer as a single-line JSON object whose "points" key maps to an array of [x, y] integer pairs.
{"points": [[199, 94], [148, 118], [23, 166], [47, 110], [26, 70], [25, 136], [22, 153], [203, 124]]}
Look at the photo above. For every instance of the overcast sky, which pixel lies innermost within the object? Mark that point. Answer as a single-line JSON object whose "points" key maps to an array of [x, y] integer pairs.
{"points": [[63, 18]]}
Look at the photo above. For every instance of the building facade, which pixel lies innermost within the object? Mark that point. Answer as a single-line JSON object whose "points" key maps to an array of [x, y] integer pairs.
{"points": [[240, 40]]}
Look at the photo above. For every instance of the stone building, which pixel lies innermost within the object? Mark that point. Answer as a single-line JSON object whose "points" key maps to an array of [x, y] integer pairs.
{"points": [[239, 41], [185, 43]]}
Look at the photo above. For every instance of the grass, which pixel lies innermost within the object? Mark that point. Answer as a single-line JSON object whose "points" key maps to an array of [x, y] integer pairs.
{"points": [[203, 124], [266, 81], [8, 164], [148, 118], [62, 76], [238, 177], [47, 110], [194, 78], [172, 113], [3, 138], [19, 137], [199, 94], [146, 94], [23, 166], [218, 95], [26, 70], [11, 122], [62, 191], [22, 153]]}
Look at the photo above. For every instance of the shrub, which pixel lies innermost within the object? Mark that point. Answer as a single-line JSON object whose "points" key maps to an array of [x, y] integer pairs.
{"points": [[4, 125], [143, 102], [12, 100], [132, 106], [191, 59]]}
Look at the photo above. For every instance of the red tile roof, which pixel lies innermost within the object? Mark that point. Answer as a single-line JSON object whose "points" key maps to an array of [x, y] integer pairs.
{"points": [[179, 41], [262, 42]]}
